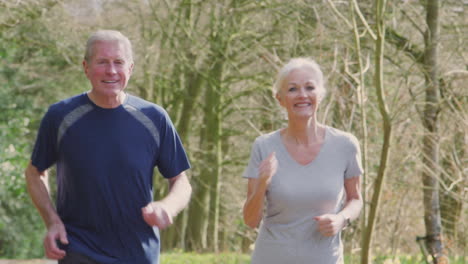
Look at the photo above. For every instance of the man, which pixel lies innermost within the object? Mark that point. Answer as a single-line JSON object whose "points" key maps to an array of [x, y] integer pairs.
{"points": [[105, 144]]}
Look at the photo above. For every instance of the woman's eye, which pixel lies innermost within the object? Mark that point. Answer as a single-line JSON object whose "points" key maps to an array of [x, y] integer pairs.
{"points": [[292, 89], [310, 88]]}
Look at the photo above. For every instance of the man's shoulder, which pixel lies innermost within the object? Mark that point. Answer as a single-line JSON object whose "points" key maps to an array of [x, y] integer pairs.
{"points": [[142, 105], [65, 106]]}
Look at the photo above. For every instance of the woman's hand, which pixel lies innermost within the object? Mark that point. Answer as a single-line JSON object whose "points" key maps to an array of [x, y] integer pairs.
{"points": [[330, 224], [253, 206], [267, 169]]}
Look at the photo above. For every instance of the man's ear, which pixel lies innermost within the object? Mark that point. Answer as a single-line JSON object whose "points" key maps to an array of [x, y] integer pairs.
{"points": [[131, 69], [85, 67]]}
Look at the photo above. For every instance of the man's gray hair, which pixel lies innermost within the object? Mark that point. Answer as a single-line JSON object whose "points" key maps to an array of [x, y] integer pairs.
{"points": [[107, 36]]}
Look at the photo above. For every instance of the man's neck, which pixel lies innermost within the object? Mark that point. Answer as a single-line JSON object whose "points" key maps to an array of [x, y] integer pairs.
{"points": [[107, 102]]}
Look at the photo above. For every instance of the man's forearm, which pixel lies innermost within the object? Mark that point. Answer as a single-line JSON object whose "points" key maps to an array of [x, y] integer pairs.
{"points": [[36, 183], [179, 194]]}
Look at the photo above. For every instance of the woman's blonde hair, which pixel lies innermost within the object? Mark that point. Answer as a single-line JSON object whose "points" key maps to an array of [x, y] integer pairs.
{"points": [[300, 63]]}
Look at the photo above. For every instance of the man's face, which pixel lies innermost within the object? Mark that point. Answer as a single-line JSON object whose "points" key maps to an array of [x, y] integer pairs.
{"points": [[109, 68]]}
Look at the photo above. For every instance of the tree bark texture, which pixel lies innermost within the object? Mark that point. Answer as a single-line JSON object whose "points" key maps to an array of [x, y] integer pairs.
{"points": [[387, 136], [431, 171]]}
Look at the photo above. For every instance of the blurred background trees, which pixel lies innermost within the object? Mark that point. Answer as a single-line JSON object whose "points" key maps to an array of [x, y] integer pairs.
{"points": [[211, 64]]}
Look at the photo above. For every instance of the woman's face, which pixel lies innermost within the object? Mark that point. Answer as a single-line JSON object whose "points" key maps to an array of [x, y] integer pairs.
{"points": [[299, 93]]}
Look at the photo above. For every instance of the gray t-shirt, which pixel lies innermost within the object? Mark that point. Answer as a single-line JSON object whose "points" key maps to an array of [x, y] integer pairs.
{"points": [[297, 193]]}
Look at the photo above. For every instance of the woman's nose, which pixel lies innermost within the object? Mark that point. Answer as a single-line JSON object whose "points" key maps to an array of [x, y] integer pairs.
{"points": [[302, 92]]}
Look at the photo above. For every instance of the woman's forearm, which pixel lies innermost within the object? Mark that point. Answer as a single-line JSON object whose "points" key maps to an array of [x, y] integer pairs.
{"points": [[253, 207], [352, 209]]}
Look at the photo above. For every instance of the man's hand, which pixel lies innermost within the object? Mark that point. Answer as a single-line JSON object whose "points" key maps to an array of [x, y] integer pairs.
{"points": [[330, 224], [55, 232], [157, 214]]}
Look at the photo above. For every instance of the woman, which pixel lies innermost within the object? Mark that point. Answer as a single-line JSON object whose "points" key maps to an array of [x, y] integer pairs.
{"points": [[309, 174]]}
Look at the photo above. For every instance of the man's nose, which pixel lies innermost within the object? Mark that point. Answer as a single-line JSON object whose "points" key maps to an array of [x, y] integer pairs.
{"points": [[111, 68]]}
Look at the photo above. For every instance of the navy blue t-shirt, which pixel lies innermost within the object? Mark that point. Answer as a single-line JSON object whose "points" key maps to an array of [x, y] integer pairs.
{"points": [[105, 160]]}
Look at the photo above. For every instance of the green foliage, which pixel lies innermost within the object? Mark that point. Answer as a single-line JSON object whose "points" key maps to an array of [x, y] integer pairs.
{"points": [[41, 46], [412, 260], [237, 258], [20, 225], [31, 70], [18, 216], [194, 258]]}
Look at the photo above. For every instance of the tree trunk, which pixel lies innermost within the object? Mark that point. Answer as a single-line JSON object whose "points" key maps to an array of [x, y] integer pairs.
{"points": [[451, 204], [430, 157], [176, 235], [217, 153], [205, 211], [387, 129], [362, 107], [207, 179], [451, 200]]}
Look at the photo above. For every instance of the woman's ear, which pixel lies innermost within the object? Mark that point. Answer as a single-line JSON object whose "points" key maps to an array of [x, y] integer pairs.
{"points": [[278, 97], [320, 97]]}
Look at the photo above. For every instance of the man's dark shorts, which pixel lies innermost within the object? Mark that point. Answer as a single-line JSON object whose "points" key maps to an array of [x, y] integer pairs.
{"points": [[76, 258]]}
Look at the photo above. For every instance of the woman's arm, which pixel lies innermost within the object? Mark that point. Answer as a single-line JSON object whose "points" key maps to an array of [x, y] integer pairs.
{"points": [[331, 224], [353, 205], [253, 207], [256, 190]]}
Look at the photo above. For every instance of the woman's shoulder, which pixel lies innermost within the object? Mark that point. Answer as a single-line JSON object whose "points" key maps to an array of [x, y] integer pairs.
{"points": [[342, 136], [267, 138]]}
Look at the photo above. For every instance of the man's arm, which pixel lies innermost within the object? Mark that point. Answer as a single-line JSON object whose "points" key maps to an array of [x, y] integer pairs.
{"points": [[160, 213], [37, 184]]}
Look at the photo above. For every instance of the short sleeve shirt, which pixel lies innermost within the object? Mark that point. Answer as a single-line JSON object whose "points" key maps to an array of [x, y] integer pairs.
{"points": [[297, 193], [105, 161]]}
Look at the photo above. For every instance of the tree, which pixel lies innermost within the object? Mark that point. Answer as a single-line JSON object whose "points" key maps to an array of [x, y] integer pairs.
{"points": [[26, 89], [430, 156], [211, 64], [387, 129]]}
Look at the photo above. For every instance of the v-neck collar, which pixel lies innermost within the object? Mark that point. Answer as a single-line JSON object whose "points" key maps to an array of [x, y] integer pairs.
{"points": [[291, 158]]}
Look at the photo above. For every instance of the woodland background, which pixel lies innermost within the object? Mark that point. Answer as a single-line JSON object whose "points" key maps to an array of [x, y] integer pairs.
{"points": [[396, 78]]}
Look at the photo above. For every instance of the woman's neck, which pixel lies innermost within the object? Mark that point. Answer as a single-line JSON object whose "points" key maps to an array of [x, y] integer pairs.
{"points": [[305, 133]]}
